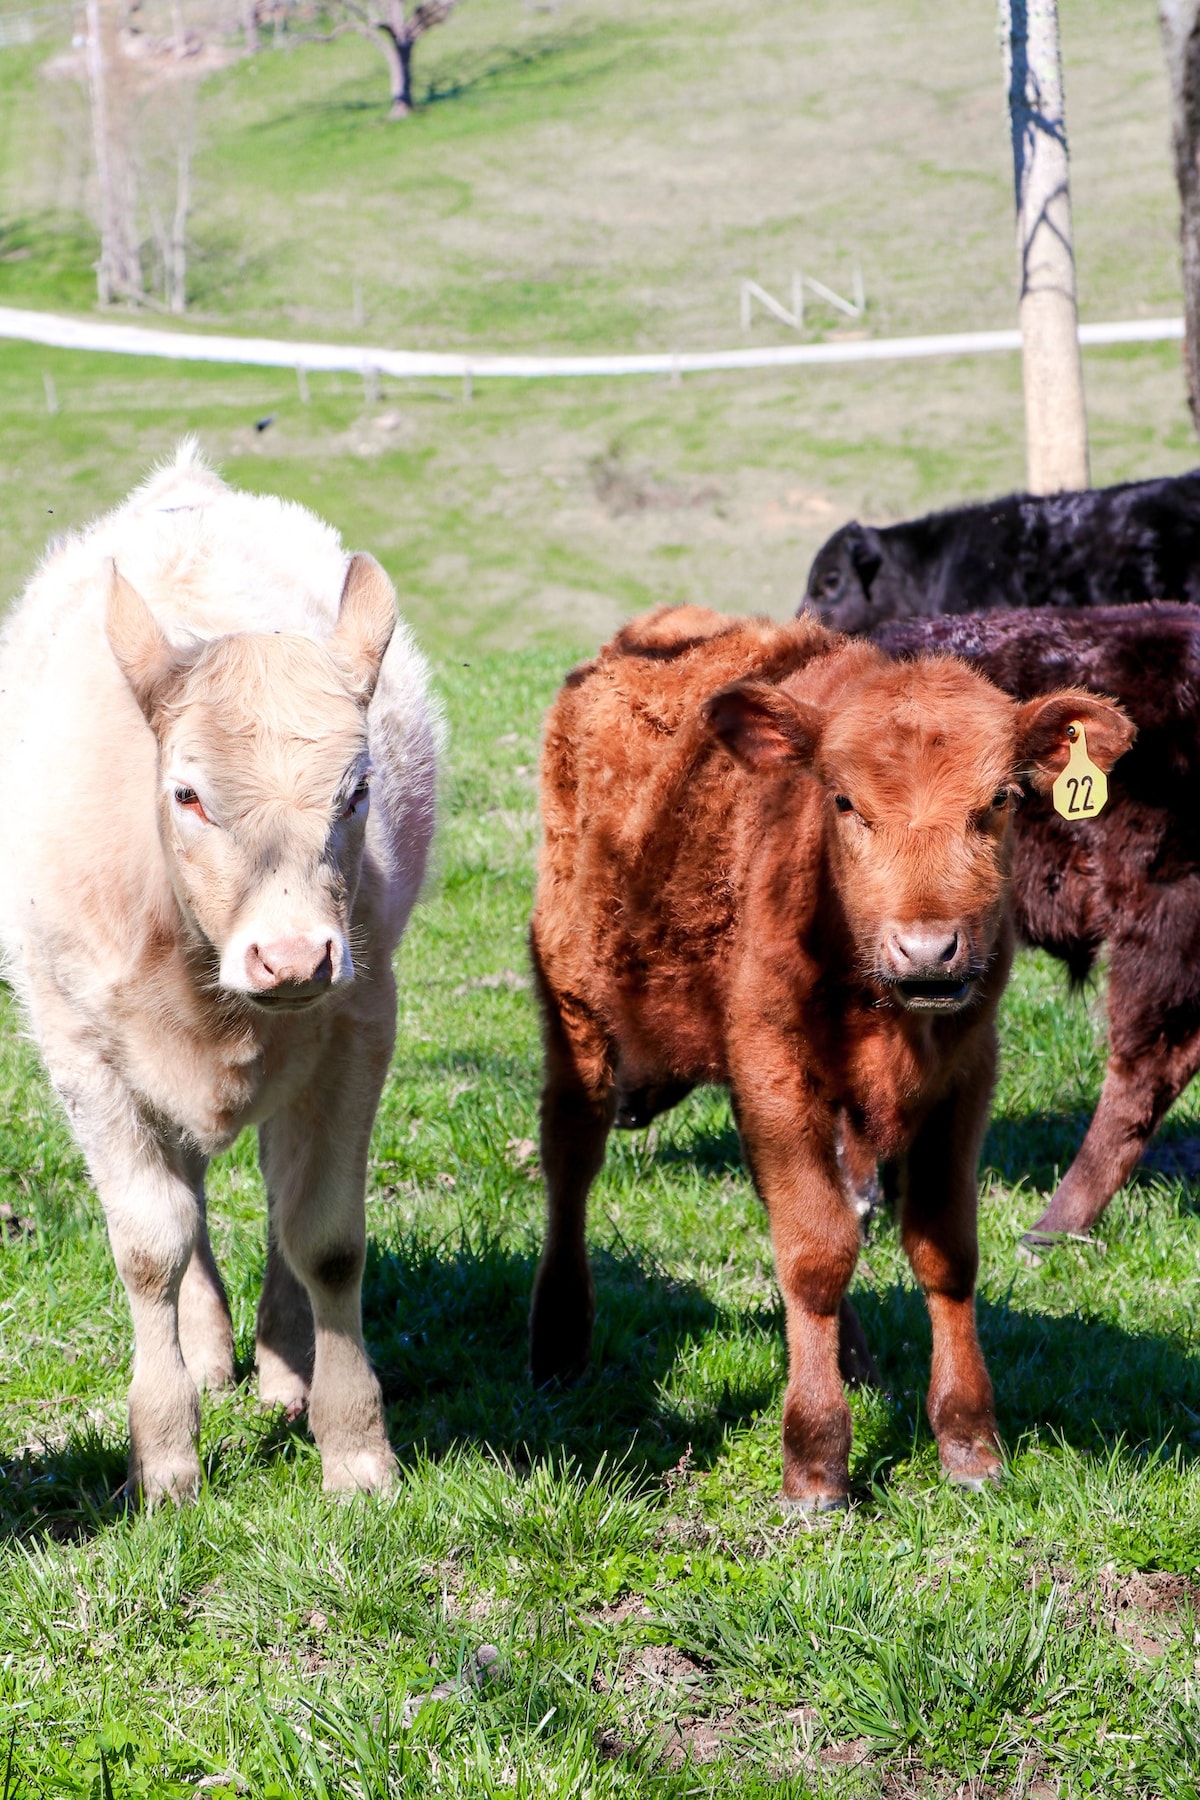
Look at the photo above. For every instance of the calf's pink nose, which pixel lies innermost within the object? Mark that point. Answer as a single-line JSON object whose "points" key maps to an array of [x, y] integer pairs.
{"points": [[296, 960], [924, 950]]}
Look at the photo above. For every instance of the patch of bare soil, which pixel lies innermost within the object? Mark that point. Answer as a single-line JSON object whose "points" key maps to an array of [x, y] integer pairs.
{"points": [[13, 1224], [623, 487], [1144, 1609], [149, 60], [663, 1666]]}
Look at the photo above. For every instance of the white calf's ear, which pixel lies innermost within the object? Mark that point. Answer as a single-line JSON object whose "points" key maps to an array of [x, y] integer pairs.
{"points": [[761, 726], [145, 654], [365, 623]]}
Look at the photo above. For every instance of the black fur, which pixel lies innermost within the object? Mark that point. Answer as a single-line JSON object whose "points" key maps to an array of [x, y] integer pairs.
{"points": [[1102, 547], [1130, 877]]}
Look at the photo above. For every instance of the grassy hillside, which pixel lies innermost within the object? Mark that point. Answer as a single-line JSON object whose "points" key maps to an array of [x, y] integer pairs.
{"points": [[600, 173]]}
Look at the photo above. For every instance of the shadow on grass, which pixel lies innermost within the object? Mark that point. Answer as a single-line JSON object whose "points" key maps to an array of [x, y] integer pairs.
{"points": [[446, 1325], [471, 74], [1078, 1378], [66, 1494], [1037, 1149], [448, 1331]]}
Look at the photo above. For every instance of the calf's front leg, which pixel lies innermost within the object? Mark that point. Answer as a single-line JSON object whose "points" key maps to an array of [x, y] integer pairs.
{"points": [[792, 1153], [153, 1215], [314, 1161], [939, 1203]]}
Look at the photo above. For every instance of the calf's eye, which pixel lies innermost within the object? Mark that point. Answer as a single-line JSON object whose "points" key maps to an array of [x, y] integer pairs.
{"points": [[1001, 798], [356, 800], [188, 800], [843, 803]]}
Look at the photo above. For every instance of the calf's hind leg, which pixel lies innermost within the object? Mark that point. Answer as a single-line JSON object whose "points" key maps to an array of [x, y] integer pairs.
{"points": [[575, 1123], [314, 1160], [284, 1333], [205, 1326], [1135, 1098]]}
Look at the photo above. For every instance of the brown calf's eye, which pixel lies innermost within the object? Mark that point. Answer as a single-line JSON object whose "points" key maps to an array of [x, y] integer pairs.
{"points": [[843, 803], [1001, 797]]}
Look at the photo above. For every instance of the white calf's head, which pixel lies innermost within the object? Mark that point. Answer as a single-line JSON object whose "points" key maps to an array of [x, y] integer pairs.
{"points": [[263, 782]]}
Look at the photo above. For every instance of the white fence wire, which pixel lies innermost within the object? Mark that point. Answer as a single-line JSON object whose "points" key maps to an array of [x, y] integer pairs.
{"points": [[57, 332]]}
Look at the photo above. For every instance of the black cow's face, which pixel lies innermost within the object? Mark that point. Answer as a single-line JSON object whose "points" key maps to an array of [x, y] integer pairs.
{"points": [[841, 579]]}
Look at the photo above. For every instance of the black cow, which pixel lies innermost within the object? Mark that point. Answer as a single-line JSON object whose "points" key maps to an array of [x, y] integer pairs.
{"points": [[1130, 877], [1102, 547]]}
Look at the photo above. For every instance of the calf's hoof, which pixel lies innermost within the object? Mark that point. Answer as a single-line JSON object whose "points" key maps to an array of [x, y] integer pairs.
{"points": [[176, 1479], [815, 1505], [972, 1465], [368, 1470], [560, 1332], [280, 1385]]}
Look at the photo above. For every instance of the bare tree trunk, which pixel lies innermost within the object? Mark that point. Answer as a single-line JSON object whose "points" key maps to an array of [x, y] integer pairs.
{"points": [[1055, 419], [183, 200], [397, 53], [1180, 22], [250, 25], [118, 272]]}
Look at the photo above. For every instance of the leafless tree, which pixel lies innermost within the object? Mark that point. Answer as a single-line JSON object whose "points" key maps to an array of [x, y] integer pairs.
{"points": [[1180, 22], [394, 28], [1055, 419], [118, 272], [143, 68]]}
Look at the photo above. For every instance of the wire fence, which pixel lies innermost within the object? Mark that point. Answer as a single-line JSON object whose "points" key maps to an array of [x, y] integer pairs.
{"points": [[57, 332]]}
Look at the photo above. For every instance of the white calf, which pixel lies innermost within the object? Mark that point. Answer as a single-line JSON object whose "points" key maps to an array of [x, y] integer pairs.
{"points": [[216, 801]]}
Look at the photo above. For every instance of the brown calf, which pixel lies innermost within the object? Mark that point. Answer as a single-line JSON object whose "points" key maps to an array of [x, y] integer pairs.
{"points": [[776, 860]]}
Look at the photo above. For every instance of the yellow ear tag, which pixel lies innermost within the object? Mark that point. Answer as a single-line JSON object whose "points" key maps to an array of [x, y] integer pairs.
{"points": [[1082, 789]]}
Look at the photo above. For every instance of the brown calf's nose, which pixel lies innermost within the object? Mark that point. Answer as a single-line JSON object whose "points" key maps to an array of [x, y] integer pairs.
{"points": [[295, 961], [924, 950]]}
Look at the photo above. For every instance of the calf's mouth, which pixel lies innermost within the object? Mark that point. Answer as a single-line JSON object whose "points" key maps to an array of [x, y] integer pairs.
{"points": [[934, 993]]}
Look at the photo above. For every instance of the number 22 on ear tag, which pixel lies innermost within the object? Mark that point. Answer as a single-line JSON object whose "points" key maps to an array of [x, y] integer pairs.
{"points": [[1082, 789]]}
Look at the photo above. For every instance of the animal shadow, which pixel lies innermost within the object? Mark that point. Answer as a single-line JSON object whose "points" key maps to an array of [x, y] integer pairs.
{"points": [[448, 1330], [1076, 1378]]}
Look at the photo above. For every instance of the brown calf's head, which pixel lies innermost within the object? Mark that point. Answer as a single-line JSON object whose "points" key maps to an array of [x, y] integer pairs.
{"points": [[263, 783], [921, 764]]}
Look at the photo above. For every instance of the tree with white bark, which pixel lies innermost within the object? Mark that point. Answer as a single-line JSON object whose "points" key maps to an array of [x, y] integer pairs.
{"points": [[141, 96], [1180, 23], [1055, 418]]}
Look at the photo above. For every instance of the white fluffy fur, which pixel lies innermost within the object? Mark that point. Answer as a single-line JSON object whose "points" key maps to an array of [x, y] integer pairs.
{"points": [[157, 1072]]}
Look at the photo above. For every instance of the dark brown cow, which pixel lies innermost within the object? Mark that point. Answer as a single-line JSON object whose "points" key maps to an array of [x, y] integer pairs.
{"points": [[776, 860], [1130, 878]]}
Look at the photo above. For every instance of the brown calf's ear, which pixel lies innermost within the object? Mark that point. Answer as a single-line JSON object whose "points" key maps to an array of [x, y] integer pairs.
{"points": [[761, 726], [1042, 742], [365, 622], [145, 654]]}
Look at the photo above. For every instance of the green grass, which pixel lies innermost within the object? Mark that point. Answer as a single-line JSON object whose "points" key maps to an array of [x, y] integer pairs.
{"points": [[600, 176], [622, 1545]]}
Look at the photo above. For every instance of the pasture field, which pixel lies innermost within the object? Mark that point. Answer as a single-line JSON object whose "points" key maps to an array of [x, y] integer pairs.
{"points": [[663, 1627], [599, 174]]}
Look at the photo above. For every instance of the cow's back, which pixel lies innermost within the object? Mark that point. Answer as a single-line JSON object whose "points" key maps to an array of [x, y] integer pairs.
{"points": [[637, 875]]}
